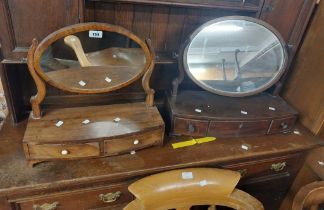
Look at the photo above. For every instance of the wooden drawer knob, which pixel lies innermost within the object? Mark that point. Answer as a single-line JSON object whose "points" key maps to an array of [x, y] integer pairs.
{"points": [[46, 206], [136, 141], [110, 197], [65, 152]]}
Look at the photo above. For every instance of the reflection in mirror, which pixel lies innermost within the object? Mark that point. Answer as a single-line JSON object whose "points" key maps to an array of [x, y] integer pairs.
{"points": [[234, 57], [93, 60]]}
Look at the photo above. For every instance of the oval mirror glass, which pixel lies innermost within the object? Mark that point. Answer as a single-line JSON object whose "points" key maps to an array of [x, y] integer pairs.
{"points": [[235, 56], [91, 58]]}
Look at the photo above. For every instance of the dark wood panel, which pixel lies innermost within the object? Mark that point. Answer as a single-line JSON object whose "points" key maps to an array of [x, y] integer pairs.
{"points": [[304, 89], [282, 15], [19, 24]]}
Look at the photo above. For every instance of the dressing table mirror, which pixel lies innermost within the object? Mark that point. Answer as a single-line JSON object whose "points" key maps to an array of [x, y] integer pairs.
{"points": [[234, 60], [91, 58]]}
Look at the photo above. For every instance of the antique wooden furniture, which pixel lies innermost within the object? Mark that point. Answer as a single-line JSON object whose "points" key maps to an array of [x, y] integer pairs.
{"points": [[167, 23], [237, 58], [184, 188], [307, 77], [309, 196], [312, 171], [110, 64], [268, 167]]}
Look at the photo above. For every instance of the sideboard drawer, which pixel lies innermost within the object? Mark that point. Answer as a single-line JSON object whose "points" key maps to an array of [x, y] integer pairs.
{"points": [[238, 128], [288, 164], [80, 199], [282, 125], [66, 151], [133, 142], [190, 127]]}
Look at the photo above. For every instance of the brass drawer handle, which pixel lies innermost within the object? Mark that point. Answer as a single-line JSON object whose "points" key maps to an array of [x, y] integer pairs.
{"points": [[243, 172], [46, 206], [278, 166], [191, 128], [110, 197]]}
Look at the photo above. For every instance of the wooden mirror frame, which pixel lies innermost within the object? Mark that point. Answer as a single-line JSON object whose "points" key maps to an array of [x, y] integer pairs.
{"points": [[183, 66], [36, 50]]}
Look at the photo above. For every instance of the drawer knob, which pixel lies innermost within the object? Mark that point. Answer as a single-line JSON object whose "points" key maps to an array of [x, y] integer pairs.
{"points": [[65, 152], [110, 197], [278, 166], [136, 141], [46, 206], [284, 125]]}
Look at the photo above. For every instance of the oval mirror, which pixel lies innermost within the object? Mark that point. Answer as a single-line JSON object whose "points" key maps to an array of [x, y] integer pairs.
{"points": [[91, 58], [235, 56]]}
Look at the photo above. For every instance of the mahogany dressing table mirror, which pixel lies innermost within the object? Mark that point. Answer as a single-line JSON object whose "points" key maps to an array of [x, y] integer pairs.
{"points": [[91, 58], [234, 60]]}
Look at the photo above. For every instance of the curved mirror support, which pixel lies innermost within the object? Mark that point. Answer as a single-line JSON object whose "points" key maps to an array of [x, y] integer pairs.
{"points": [[235, 56]]}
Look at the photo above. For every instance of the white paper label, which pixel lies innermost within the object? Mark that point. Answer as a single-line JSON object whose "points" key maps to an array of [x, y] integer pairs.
{"points": [[321, 163], [86, 121], [243, 112], [108, 79], [244, 147], [272, 108], [59, 123], [95, 34], [82, 83], [203, 183], [187, 175]]}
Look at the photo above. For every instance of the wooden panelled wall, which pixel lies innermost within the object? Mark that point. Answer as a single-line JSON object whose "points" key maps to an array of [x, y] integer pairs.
{"points": [[168, 23], [167, 26]]}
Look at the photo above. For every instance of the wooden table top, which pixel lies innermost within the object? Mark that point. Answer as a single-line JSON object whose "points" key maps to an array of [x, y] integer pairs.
{"points": [[16, 178]]}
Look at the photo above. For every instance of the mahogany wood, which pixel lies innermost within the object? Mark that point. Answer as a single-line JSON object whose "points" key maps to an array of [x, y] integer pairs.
{"points": [[304, 89], [48, 180], [102, 136], [168, 23], [199, 113]]}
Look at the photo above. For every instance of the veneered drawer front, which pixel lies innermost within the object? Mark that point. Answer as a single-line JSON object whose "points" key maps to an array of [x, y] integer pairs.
{"points": [[282, 125], [190, 127], [52, 151], [238, 128], [271, 166], [82, 199], [134, 142]]}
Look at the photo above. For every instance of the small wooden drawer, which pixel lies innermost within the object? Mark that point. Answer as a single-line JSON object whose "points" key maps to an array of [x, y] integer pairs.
{"points": [[65, 151], [282, 125], [265, 167], [80, 199], [133, 142], [190, 127], [238, 128]]}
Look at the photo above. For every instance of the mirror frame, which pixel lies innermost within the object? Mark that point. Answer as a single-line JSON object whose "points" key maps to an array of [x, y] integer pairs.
{"points": [[70, 30], [183, 58]]}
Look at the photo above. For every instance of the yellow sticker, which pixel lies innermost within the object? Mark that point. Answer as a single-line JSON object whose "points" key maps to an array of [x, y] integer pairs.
{"points": [[205, 140], [184, 144]]}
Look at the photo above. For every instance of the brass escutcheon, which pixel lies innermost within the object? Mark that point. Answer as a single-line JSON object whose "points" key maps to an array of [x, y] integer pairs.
{"points": [[110, 197]]}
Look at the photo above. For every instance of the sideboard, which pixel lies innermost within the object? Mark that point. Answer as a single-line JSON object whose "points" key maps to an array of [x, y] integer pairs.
{"points": [[268, 166]]}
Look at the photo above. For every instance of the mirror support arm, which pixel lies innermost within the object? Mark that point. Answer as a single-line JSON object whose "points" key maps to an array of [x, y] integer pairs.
{"points": [[37, 99], [147, 76]]}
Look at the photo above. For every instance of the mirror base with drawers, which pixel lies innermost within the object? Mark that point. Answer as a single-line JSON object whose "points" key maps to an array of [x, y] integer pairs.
{"points": [[200, 113]]}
